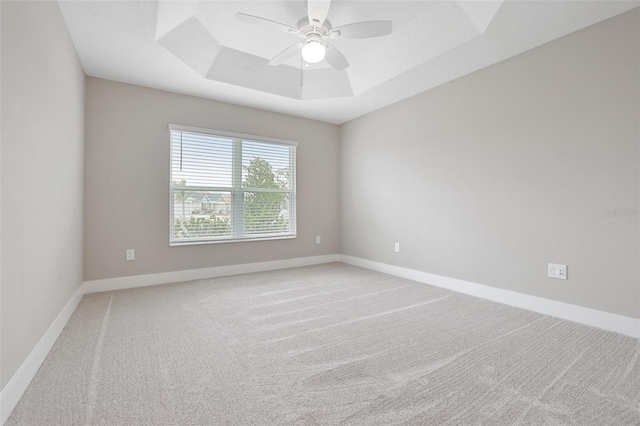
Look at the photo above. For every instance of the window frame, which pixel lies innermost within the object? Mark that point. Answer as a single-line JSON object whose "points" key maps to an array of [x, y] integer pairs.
{"points": [[236, 208]]}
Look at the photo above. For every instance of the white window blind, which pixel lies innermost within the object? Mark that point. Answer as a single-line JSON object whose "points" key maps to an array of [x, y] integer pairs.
{"points": [[230, 187]]}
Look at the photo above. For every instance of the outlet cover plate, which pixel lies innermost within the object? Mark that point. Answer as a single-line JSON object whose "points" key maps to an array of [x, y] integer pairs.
{"points": [[556, 270]]}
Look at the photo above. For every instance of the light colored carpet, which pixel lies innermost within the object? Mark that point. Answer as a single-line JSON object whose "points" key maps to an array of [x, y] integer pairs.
{"points": [[328, 344]]}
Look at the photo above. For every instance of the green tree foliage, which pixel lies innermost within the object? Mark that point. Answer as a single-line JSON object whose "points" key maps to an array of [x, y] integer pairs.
{"points": [[262, 209], [202, 226]]}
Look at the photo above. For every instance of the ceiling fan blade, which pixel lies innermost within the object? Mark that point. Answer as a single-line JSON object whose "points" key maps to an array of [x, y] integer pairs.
{"points": [[317, 11], [286, 54], [335, 58], [266, 23], [362, 30]]}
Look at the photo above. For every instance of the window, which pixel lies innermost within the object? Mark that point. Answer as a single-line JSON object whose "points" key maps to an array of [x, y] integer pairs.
{"points": [[230, 187]]}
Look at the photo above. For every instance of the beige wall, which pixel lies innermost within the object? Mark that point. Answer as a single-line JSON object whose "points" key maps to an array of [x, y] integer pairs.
{"points": [[42, 166], [490, 177], [127, 181]]}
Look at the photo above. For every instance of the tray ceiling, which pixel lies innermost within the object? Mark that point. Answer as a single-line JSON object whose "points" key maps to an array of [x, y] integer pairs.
{"points": [[199, 48]]}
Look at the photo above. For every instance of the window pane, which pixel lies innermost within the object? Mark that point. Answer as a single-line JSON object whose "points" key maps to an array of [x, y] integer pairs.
{"points": [[200, 214], [201, 160], [227, 188], [266, 213], [265, 165]]}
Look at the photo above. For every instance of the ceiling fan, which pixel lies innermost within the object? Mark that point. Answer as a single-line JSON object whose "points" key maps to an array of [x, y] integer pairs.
{"points": [[315, 30]]}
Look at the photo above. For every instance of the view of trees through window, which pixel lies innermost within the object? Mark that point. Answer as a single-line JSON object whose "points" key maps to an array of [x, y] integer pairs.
{"points": [[263, 210], [258, 202], [191, 221]]}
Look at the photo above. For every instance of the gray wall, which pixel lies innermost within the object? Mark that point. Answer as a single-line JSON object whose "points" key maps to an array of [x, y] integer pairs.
{"points": [[490, 177], [127, 181], [42, 166]]}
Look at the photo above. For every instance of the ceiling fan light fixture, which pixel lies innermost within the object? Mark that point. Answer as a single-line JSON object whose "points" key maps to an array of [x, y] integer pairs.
{"points": [[313, 52], [315, 30]]}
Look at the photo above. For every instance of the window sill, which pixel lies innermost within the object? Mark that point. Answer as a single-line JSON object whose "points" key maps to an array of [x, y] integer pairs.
{"points": [[235, 240]]}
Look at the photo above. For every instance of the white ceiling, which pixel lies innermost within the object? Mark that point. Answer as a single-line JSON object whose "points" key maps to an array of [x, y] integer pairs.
{"points": [[199, 48]]}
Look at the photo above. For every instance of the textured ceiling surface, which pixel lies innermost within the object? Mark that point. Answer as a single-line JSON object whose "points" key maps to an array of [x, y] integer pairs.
{"points": [[200, 48]]}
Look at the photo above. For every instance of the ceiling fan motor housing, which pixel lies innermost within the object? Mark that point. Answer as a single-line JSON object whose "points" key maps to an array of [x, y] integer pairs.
{"points": [[307, 29]]}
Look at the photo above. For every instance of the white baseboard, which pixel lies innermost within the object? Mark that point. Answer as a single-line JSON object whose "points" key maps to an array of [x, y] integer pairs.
{"points": [[13, 391], [120, 283], [592, 317]]}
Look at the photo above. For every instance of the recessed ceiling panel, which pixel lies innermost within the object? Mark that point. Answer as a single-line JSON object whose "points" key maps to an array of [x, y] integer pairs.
{"points": [[193, 44]]}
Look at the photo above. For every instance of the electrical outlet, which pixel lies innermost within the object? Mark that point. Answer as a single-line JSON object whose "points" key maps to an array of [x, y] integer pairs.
{"points": [[318, 240], [131, 254], [396, 247], [558, 271]]}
